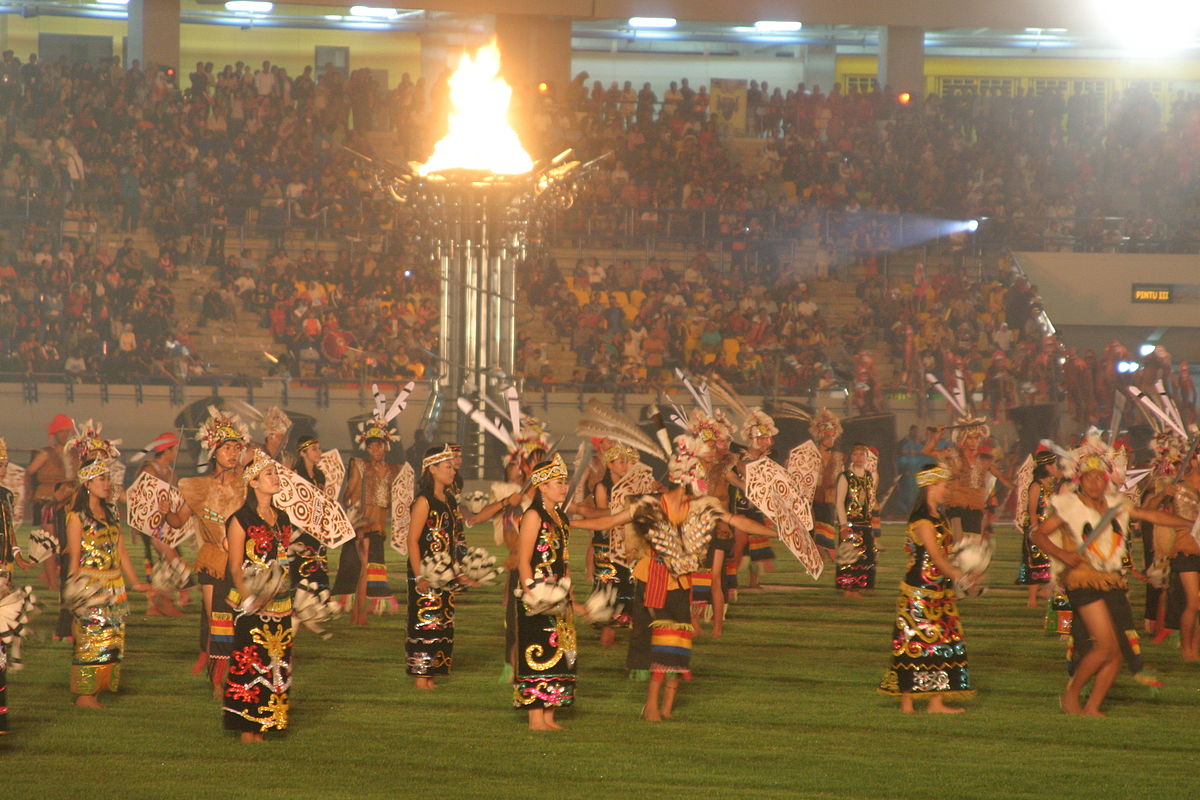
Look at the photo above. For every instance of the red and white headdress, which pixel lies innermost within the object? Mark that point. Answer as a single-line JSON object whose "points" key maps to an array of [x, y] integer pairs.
{"points": [[89, 438], [220, 427]]}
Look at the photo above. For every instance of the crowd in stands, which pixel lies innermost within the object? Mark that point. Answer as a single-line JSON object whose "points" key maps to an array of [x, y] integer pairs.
{"points": [[93, 147]]}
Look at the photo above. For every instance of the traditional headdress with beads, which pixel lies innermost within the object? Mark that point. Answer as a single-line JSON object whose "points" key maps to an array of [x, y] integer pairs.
{"points": [[88, 439], [758, 424], [967, 426], [1095, 455], [526, 439], [379, 425], [447, 453], [710, 430], [935, 474], [276, 421], [557, 468], [685, 467], [94, 469], [620, 452], [376, 428], [257, 464], [221, 427]]}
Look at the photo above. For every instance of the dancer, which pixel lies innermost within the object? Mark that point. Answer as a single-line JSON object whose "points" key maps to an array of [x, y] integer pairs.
{"points": [[673, 531], [163, 451], [1090, 566], [257, 690], [48, 487], [1185, 562], [606, 567], [1038, 480], [857, 510], [759, 430], [10, 549], [435, 531], [275, 425], [362, 570], [929, 653], [212, 499], [545, 653], [98, 558], [308, 556], [816, 465], [968, 491]]}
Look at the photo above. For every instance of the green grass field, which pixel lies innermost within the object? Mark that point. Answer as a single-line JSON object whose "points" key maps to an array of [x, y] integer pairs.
{"points": [[784, 706]]}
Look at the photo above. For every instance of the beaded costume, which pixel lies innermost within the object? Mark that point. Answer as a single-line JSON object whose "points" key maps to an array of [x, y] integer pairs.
{"points": [[259, 680], [857, 571], [929, 654], [544, 662], [607, 570], [429, 644], [661, 640], [309, 557], [1035, 565], [99, 631]]}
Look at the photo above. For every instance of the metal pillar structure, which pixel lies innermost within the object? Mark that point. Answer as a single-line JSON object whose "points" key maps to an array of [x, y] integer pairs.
{"points": [[479, 227], [478, 246]]}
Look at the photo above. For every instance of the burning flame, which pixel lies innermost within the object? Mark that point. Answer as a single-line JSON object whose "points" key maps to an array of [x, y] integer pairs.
{"points": [[479, 136]]}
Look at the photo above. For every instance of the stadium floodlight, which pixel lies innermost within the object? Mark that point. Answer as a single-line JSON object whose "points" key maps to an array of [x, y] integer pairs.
{"points": [[374, 12], [660, 23], [778, 26], [1151, 27], [249, 6]]}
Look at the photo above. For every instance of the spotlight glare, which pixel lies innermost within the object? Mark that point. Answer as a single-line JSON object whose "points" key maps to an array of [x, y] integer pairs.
{"points": [[249, 6], [1151, 27], [971, 226], [778, 26], [652, 22], [1145, 350]]}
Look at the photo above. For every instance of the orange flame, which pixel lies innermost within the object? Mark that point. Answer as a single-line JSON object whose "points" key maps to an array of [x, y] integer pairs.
{"points": [[479, 136]]}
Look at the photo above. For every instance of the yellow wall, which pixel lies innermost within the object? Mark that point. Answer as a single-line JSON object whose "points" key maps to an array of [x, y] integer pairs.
{"points": [[222, 44], [1122, 71]]}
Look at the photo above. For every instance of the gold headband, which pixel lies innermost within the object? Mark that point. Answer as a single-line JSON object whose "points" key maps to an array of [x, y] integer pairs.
{"points": [[619, 452], [928, 477], [306, 445], [260, 462], [93, 469], [445, 454], [557, 468]]}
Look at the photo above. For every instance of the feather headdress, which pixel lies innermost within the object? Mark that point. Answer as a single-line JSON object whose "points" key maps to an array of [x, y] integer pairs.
{"points": [[526, 439], [221, 427], [376, 428], [713, 431], [276, 421], [685, 466], [970, 426], [600, 421], [1168, 449], [88, 440], [758, 424], [1094, 454]]}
